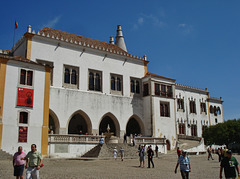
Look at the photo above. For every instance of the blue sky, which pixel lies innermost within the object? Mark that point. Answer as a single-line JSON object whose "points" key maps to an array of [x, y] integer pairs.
{"points": [[195, 42]]}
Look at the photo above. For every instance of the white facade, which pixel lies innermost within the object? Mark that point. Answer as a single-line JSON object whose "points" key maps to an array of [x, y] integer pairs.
{"points": [[11, 111], [95, 84]]}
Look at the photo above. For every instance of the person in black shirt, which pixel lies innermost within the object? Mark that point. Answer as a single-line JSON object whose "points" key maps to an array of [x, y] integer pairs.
{"points": [[150, 156], [230, 165]]}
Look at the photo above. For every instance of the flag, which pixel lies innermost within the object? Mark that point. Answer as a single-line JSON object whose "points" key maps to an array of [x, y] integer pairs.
{"points": [[16, 24]]}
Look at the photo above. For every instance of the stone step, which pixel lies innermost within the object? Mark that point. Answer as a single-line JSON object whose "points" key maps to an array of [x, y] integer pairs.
{"points": [[129, 150], [188, 144], [4, 155], [94, 152]]}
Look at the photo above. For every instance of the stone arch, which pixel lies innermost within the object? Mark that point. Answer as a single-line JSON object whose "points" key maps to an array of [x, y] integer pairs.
{"points": [[134, 126], [53, 123], [79, 123], [111, 120]]}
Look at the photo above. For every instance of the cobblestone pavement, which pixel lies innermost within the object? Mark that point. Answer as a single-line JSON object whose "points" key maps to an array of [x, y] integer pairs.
{"points": [[109, 168]]}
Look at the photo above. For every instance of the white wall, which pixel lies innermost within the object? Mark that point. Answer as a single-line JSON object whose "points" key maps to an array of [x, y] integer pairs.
{"points": [[11, 111]]}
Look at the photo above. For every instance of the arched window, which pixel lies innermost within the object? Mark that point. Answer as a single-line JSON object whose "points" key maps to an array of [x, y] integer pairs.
{"points": [[119, 88], [91, 81], [97, 82], [219, 111], [67, 76], [74, 77], [132, 86], [112, 83]]}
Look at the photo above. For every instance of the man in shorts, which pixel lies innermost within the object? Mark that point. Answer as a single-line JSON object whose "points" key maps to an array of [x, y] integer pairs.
{"points": [[185, 166], [230, 165], [142, 156], [18, 164]]}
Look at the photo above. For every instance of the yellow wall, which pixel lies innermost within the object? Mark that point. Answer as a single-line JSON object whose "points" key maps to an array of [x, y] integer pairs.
{"points": [[46, 112], [145, 68], [208, 109], [3, 67], [29, 45]]}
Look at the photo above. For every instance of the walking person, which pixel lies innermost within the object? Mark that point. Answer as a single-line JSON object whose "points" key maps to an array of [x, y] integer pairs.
{"points": [[230, 165], [209, 150], [150, 156], [185, 166], [142, 156], [179, 152], [133, 140], [18, 164], [156, 150], [122, 153], [115, 153], [125, 138], [33, 163]]}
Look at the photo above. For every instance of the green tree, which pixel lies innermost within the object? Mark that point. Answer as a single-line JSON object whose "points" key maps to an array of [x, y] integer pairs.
{"points": [[223, 133]]}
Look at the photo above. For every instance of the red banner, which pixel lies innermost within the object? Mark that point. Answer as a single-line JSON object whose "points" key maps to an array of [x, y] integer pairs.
{"points": [[22, 134], [25, 97]]}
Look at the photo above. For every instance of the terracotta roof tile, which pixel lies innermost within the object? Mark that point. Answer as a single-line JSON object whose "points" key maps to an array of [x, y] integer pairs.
{"points": [[84, 41], [152, 74]]}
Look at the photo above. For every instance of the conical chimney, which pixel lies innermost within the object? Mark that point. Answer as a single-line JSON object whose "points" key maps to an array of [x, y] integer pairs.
{"points": [[119, 40]]}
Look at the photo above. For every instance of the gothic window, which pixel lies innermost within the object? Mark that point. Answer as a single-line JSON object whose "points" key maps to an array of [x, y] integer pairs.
{"points": [[95, 80], [135, 85], [26, 77], [194, 130], [192, 106], [70, 76], [180, 104], [203, 108], [116, 84], [112, 83], [181, 128], [164, 109]]}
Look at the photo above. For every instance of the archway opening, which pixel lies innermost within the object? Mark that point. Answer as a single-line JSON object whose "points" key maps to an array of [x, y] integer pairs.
{"points": [[77, 125], [133, 127], [53, 123], [107, 121]]}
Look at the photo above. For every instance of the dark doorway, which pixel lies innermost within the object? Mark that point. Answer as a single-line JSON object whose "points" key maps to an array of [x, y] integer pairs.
{"points": [[104, 124], [77, 125], [133, 127]]}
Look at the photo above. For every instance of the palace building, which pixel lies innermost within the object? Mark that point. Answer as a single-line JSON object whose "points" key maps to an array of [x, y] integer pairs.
{"points": [[54, 82]]}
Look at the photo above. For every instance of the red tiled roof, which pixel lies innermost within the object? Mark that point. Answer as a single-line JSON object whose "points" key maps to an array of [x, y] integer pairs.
{"points": [[84, 41], [152, 74], [19, 58]]}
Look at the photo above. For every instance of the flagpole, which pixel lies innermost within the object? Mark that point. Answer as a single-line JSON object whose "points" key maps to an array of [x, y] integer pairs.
{"points": [[14, 34]]}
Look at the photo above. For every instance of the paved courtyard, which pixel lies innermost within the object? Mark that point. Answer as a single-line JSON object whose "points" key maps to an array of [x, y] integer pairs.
{"points": [[109, 168]]}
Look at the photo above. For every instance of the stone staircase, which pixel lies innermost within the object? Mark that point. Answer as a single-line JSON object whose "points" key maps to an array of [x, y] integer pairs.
{"points": [[106, 151], [94, 152], [129, 150], [187, 144], [5, 156]]}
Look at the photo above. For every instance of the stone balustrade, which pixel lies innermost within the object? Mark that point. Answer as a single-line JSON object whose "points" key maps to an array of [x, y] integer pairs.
{"points": [[73, 139], [150, 140]]}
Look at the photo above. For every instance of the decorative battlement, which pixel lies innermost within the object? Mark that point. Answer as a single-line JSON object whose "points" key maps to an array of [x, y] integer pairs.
{"points": [[192, 88]]}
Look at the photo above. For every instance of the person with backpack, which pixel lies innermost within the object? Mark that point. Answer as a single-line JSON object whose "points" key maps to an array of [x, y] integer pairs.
{"points": [[184, 163]]}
